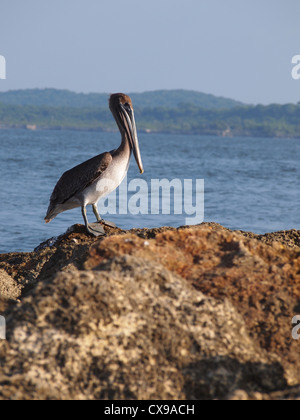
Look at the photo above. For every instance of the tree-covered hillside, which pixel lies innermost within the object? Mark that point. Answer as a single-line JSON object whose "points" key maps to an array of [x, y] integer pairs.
{"points": [[159, 116], [163, 98]]}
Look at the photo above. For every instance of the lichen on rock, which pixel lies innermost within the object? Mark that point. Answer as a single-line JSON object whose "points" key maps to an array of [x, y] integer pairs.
{"points": [[190, 313]]}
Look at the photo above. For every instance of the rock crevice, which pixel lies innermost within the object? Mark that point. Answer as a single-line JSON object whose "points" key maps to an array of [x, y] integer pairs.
{"points": [[190, 313]]}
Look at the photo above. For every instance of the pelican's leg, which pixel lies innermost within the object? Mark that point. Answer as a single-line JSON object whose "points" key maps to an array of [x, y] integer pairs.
{"points": [[99, 219], [93, 229], [96, 213]]}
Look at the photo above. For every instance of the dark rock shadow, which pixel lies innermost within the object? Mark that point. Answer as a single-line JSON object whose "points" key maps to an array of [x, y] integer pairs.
{"points": [[218, 377]]}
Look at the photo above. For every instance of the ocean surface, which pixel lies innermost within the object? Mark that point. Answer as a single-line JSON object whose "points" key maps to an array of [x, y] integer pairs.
{"points": [[251, 184]]}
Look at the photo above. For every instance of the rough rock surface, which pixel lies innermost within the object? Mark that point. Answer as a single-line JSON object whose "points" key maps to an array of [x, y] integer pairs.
{"points": [[190, 313], [10, 290]]}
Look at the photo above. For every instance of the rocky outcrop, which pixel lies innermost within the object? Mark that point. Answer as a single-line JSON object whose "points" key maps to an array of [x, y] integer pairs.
{"points": [[190, 313]]}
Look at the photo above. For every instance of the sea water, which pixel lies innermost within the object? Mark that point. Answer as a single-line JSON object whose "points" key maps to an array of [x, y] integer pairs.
{"points": [[251, 184]]}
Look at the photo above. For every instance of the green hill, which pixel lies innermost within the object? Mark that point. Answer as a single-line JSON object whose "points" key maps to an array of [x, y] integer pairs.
{"points": [[162, 98], [175, 111], [253, 121]]}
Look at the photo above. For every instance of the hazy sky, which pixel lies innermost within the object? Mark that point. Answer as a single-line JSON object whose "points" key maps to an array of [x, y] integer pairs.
{"points": [[240, 49]]}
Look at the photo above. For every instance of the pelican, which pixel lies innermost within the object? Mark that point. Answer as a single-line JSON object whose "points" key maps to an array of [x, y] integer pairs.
{"points": [[88, 182]]}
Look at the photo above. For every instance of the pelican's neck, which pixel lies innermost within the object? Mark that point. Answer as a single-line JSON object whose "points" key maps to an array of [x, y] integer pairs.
{"points": [[125, 147]]}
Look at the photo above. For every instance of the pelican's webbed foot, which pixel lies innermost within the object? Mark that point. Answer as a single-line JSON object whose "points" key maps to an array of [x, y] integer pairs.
{"points": [[107, 223], [100, 220], [95, 229]]}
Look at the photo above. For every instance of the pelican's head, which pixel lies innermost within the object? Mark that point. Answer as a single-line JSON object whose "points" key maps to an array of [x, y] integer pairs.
{"points": [[122, 109]]}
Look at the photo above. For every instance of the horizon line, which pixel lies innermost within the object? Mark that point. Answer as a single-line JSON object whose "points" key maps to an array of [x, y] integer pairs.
{"points": [[149, 91]]}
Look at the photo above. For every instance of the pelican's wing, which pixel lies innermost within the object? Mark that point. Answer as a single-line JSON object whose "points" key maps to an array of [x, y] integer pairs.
{"points": [[77, 179]]}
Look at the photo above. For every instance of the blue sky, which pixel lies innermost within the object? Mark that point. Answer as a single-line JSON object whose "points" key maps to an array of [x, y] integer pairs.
{"points": [[233, 48]]}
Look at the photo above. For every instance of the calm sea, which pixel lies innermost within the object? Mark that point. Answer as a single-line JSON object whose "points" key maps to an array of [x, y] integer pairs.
{"points": [[250, 183]]}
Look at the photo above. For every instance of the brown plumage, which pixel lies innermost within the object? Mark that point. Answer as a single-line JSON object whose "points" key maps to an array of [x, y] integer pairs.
{"points": [[68, 185], [86, 183]]}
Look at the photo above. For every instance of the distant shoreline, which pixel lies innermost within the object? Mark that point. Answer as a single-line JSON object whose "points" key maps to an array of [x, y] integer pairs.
{"points": [[148, 131], [166, 112]]}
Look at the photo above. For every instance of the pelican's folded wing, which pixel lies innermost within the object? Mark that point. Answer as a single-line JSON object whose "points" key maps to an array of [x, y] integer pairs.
{"points": [[79, 178]]}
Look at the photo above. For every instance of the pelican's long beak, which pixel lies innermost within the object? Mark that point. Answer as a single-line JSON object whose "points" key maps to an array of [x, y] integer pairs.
{"points": [[132, 134]]}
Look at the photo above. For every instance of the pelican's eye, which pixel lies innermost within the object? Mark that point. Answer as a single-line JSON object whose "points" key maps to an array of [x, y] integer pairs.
{"points": [[127, 107]]}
